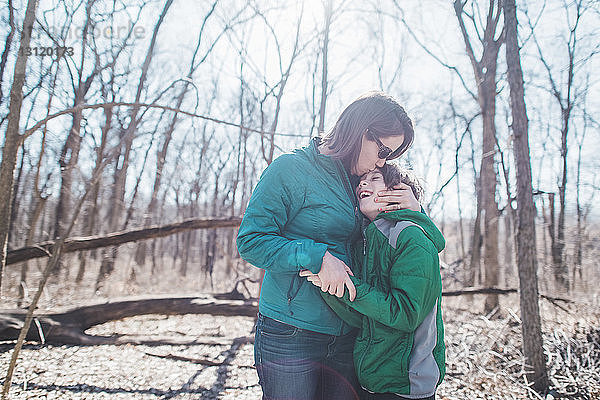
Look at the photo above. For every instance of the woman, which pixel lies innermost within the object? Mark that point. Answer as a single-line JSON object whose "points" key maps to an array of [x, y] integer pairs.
{"points": [[303, 214]]}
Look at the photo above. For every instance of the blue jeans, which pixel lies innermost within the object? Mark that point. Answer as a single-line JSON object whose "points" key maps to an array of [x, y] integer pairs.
{"points": [[298, 364]]}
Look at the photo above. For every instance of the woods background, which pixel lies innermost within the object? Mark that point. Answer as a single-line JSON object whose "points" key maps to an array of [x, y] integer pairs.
{"points": [[257, 79], [122, 115]]}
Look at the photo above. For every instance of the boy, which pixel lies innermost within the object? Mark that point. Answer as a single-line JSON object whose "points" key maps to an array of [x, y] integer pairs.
{"points": [[399, 352]]}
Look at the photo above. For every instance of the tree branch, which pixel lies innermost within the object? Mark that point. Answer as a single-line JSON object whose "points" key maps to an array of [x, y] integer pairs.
{"points": [[117, 238]]}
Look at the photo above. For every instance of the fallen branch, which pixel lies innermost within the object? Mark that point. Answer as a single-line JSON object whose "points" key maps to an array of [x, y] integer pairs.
{"points": [[201, 361], [117, 238], [69, 326], [478, 291], [450, 293]]}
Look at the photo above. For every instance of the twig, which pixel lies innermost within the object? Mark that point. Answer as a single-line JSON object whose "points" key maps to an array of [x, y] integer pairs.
{"points": [[202, 361], [52, 264]]}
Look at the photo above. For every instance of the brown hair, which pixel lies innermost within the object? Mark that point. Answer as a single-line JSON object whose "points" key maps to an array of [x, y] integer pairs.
{"points": [[393, 174], [376, 111]]}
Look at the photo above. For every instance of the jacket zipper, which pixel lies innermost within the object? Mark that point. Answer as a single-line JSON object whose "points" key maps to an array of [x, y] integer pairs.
{"points": [[364, 242], [348, 187], [369, 325]]}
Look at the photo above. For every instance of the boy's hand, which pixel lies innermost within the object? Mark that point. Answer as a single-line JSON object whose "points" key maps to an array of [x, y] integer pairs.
{"points": [[401, 196]]}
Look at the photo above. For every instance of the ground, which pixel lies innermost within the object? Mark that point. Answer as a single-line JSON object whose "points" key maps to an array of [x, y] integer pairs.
{"points": [[483, 358]]}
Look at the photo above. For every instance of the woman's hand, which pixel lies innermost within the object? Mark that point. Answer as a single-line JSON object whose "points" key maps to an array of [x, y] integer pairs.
{"points": [[333, 277], [401, 197]]}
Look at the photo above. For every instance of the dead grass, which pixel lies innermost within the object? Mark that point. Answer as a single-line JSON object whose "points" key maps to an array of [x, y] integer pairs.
{"points": [[484, 359]]}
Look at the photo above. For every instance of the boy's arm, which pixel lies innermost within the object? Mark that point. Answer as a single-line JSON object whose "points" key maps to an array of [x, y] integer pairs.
{"points": [[414, 291], [343, 310]]}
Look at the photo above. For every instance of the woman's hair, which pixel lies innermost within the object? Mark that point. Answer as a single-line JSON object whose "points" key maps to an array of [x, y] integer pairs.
{"points": [[393, 174], [376, 111]]}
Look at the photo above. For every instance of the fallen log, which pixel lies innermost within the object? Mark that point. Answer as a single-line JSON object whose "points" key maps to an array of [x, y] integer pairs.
{"points": [[117, 238], [492, 290], [69, 326], [489, 290]]}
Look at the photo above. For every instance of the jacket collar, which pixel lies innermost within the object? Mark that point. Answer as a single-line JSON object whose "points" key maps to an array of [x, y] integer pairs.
{"points": [[314, 155], [421, 219]]}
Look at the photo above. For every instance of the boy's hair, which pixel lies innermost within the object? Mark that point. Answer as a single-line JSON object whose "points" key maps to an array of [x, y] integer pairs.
{"points": [[393, 174]]}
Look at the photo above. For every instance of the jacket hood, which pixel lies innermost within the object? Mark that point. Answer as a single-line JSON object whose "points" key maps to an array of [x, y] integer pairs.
{"points": [[421, 219]]}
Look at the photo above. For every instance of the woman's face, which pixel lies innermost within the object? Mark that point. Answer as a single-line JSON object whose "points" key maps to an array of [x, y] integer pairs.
{"points": [[370, 184], [368, 159]]}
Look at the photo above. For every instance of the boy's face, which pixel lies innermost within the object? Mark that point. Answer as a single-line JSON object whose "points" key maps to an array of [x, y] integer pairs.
{"points": [[370, 184]]}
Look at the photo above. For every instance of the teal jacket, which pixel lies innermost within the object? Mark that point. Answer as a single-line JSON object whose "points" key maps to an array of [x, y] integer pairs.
{"points": [[400, 348], [302, 206]]}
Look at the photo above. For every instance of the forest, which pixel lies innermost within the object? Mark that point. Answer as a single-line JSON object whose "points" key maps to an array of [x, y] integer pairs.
{"points": [[134, 131]]}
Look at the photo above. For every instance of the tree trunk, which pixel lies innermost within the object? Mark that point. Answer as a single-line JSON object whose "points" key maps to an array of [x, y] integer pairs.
{"points": [[324, 81], [186, 254], [7, 45], [561, 273], [578, 256], [15, 198], [68, 161], [12, 139], [484, 71], [33, 220], [161, 156], [474, 272], [526, 246], [509, 251], [117, 200], [92, 209], [490, 217], [70, 152]]}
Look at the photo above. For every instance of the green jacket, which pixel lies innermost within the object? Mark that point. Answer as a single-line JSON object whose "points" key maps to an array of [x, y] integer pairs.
{"points": [[303, 205], [400, 348]]}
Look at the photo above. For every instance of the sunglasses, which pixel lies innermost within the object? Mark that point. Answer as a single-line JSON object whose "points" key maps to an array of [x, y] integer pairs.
{"points": [[385, 153]]}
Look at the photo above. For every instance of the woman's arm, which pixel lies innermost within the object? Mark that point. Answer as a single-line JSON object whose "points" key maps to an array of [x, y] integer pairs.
{"points": [[276, 199]]}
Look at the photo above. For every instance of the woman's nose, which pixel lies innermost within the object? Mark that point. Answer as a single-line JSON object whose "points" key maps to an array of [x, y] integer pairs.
{"points": [[362, 183]]}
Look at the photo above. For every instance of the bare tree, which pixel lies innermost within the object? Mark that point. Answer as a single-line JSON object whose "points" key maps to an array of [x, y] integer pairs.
{"points": [[277, 90], [328, 8], [91, 211], [39, 195], [56, 253], [7, 44], [127, 136], [196, 61], [70, 152], [13, 138], [582, 208], [533, 349], [567, 93], [484, 70]]}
